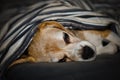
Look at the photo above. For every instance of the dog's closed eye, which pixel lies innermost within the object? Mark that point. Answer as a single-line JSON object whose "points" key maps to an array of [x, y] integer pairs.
{"points": [[105, 42], [66, 38]]}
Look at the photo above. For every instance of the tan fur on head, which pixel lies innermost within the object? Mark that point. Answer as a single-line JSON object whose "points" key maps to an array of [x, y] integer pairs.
{"points": [[42, 43], [52, 43], [81, 33], [38, 48], [50, 24]]}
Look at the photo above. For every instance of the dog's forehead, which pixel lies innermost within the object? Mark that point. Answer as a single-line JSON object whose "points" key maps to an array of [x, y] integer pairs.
{"points": [[54, 26], [51, 24]]}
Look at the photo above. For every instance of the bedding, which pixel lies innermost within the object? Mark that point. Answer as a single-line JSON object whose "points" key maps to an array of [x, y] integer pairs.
{"points": [[105, 67]]}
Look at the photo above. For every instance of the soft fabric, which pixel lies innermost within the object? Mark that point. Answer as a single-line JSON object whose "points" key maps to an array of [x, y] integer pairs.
{"points": [[18, 32]]}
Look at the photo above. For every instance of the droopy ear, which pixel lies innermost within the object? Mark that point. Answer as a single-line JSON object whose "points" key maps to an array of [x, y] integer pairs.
{"points": [[50, 24]]}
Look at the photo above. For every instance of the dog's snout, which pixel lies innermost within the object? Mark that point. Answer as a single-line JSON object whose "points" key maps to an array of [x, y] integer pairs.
{"points": [[87, 52]]}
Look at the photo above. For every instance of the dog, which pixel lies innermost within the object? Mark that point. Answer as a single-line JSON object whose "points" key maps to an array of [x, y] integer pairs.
{"points": [[54, 43], [64, 30]]}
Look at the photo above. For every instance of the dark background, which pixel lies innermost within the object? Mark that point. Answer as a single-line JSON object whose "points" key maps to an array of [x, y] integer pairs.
{"points": [[104, 67]]}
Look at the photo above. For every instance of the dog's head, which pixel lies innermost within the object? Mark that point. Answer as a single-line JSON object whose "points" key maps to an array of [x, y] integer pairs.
{"points": [[53, 43]]}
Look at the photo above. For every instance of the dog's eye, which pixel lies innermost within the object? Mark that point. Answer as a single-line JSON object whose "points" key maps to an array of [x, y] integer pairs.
{"points": [[105, 42], [66, 38]]}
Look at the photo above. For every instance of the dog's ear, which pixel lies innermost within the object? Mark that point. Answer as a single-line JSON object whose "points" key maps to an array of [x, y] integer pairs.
{"points": [[50, 24]]}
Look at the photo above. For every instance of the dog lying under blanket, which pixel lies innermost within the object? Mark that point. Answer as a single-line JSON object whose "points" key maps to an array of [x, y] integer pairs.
{"points": [[64, 30], [53, 43]]}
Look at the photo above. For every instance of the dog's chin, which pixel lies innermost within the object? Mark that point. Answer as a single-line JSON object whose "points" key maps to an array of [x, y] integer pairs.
{"points": [[86, 60], [68, 59], [83, 56], [82, 59]]}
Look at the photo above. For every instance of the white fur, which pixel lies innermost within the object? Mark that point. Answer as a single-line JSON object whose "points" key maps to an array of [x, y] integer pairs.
{"points": [[96, 40]]}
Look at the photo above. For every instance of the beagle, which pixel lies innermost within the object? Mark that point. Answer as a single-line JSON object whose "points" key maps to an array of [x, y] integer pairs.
{"points": [[52, 42]]}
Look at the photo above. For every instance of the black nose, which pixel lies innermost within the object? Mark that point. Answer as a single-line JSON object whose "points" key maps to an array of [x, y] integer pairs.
{"points": [[87, 52]]}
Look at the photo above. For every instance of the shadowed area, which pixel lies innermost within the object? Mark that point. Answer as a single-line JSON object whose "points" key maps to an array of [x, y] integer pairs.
{"points": [[105, 67]]}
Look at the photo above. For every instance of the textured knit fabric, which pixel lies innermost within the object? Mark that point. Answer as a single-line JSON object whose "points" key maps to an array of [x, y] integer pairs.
{"points": [[18, 32]]}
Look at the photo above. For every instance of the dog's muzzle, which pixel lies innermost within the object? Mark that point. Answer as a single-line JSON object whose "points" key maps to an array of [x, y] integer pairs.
{"points": [[80, 51], [87, 53]]}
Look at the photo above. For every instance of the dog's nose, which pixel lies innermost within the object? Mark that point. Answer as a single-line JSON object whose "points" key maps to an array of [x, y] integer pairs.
{"points": [[87, 52]]}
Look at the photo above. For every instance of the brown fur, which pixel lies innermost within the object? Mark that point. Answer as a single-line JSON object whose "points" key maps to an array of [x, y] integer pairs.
{"points": [[40, 47], [80, 34]]}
